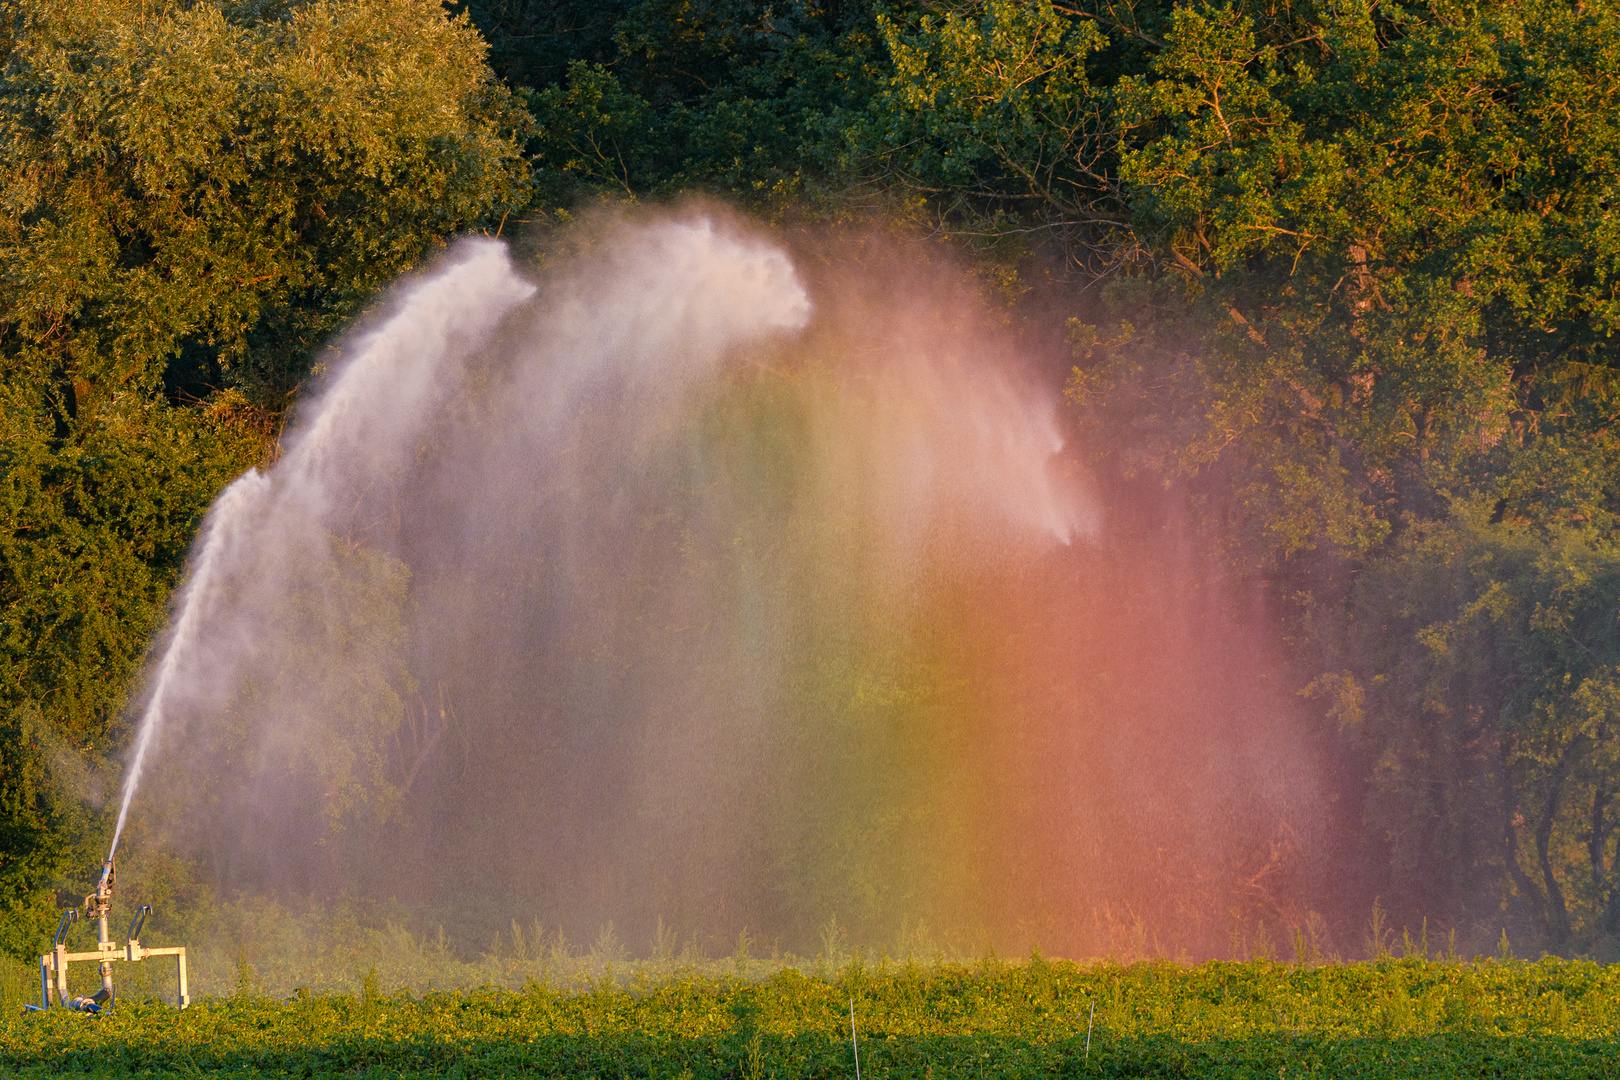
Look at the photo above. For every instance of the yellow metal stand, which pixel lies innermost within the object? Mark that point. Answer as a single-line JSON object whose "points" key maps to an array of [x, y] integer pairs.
{"points": [[53, 966]]}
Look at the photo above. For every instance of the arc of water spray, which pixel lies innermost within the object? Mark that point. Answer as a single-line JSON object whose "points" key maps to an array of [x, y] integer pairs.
{"points": [[659, 314], [224, 520], [398, 362]]}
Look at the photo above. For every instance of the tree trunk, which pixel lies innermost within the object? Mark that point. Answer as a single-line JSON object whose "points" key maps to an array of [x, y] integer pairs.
{"points": [[1510, 836], [1557, 910], [1597, 842]]}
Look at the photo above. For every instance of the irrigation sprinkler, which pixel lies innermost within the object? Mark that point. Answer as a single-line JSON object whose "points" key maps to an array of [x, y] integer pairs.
{"points": [[53, 966]]}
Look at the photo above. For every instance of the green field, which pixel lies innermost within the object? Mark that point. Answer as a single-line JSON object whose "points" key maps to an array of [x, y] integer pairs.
{"points": [[1386, 1018]]}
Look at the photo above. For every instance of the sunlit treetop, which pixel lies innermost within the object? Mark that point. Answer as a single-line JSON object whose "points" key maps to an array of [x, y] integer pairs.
{"points": [[222, 182]]}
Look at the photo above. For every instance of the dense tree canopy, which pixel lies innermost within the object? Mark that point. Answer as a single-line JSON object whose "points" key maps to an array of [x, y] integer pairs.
{"points": [[1345, 278]]}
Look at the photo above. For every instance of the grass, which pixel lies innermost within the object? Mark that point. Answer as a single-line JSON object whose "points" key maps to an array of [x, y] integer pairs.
{"points": [[1407, 1018]]}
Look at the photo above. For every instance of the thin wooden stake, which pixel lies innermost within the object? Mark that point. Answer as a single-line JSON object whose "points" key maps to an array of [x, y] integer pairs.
{"points": [[853, 1044], [1093, 1020]]}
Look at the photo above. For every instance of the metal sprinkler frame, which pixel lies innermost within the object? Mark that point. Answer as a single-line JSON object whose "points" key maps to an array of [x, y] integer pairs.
{"points": [[53, 966]]}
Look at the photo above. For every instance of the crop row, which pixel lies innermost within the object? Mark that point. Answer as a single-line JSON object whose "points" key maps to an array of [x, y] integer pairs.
{"points": [[1393, 1017]]}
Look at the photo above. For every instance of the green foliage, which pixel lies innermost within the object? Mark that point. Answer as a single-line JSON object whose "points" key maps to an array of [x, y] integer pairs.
{"points": [[989, 115], [718, 96], [1380, 221], [1418, 370], [1390, 232], [92, 532], [235, 178], [1396, 1018], [596, 130], [1504, 788], [192, 196], [532, 42], [1371, 336]]}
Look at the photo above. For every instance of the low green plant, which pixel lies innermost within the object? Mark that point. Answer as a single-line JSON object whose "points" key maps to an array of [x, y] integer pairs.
{"points": [[370, 994], [1406, 1017], [19, 983]]}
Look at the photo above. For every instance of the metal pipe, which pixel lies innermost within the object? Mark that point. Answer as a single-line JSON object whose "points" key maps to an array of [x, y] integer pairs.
{"points": [[104, 944], [139, 921], [69, 917], [99, 903]]}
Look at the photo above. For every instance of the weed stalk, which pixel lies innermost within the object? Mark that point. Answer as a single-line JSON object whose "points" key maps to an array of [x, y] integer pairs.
{"points": [[855, 1046]]}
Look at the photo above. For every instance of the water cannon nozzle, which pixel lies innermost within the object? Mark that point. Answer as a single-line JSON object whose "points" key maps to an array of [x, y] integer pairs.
{"points": [[98, 903]]}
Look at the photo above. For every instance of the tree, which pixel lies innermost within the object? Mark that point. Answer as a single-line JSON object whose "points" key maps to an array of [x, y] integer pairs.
{"points": [[712, 96], [192, 197], [991, 120], [1492, 744], [1357, 282]]}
